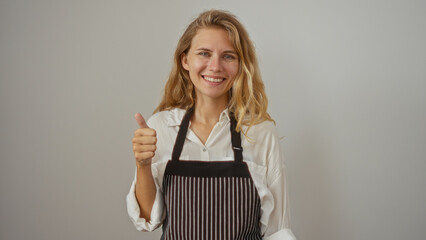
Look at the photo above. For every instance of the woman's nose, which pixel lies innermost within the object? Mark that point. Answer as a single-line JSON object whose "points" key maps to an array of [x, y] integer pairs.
{"points": [[214, 63]]}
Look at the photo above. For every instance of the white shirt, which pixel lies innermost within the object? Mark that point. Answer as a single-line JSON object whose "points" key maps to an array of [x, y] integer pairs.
{"points": [[261, 152]]}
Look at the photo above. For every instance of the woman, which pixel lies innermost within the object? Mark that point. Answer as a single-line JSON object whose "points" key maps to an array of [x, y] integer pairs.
{"points": [[196, 174]]}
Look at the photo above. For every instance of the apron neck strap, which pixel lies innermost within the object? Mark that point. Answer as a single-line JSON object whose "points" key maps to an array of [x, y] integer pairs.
{"points": [[183, 129], [236, 139], [180, 139]]}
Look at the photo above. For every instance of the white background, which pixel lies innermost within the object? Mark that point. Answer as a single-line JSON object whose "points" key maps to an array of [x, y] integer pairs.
{"points": [[346, 82]]}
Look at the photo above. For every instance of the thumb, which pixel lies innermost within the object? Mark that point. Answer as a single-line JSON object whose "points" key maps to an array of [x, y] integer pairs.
{"points": [[140, 120]]}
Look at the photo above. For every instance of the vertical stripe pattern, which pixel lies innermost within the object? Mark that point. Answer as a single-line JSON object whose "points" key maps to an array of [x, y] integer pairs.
{"points": [[211, 208]]}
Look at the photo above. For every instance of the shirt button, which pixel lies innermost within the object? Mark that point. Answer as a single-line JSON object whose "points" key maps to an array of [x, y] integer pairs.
{"points": [[204, 149]]}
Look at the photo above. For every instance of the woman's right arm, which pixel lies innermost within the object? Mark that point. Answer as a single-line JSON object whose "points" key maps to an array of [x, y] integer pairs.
{"points": [[144, 146]]}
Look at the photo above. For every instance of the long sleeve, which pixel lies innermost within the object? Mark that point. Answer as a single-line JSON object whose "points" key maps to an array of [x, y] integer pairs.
{"points": [[133, 209], [279, 220]]}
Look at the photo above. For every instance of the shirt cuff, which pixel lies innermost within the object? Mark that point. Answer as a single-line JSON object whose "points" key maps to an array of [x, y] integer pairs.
{"points": [[283, 234], [134, 211]]}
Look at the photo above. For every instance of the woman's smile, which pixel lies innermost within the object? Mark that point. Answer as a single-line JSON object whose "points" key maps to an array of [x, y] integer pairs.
{"points": [[213, 81]]}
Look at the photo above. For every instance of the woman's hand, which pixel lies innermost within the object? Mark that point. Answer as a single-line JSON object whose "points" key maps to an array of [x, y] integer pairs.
{"points": [[144, 142]]}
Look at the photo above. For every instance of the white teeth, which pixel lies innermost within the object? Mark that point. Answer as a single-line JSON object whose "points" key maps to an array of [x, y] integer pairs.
{"points": [[213, 79]]}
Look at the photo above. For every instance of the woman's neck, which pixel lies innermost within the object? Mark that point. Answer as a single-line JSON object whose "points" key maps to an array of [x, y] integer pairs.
{"points": [[207, 111]]}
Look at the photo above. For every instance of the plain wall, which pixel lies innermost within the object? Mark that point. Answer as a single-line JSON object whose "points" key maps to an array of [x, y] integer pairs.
{"points": [[346, 82]]}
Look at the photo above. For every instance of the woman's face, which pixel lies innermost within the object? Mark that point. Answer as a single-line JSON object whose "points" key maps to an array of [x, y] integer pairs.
{"points": [[212, 63]]}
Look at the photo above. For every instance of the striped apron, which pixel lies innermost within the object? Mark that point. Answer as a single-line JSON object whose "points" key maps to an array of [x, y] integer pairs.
{"points": [[210, 200]]}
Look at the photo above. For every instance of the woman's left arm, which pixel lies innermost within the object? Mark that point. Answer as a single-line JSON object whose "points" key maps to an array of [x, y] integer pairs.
{"points": [[279, 220]]}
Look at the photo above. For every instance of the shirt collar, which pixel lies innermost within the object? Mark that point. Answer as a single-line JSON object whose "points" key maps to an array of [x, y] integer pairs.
{"points": [[176, 116]]}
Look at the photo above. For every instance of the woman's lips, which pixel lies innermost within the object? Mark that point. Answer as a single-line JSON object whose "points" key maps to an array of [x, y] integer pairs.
{"points": [[213, 79]]}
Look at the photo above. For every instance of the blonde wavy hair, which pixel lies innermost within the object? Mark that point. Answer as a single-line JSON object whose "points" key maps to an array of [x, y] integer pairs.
{"points": [[247, 100]]}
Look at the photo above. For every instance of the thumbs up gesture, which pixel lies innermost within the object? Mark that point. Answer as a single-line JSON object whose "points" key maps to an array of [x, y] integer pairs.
{"points": [[144, 142]]}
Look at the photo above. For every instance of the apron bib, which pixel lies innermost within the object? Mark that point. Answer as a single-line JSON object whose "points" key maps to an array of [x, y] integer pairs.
{"points": [[210, 199]]}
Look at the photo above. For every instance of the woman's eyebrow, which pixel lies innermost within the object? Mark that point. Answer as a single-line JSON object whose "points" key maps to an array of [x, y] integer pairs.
{"points": [[230, 51], [204, 49], [208, 50]]}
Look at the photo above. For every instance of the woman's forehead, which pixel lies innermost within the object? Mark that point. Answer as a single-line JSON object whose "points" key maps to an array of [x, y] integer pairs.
{"points": [[212, 38]]}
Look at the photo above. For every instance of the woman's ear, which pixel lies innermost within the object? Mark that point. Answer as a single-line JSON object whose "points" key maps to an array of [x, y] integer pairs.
{"points": [[184, 60]]}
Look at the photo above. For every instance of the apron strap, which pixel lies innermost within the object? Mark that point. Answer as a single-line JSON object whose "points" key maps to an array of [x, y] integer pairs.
{"points": [[183, 129], [236, 139], [180, 139]]}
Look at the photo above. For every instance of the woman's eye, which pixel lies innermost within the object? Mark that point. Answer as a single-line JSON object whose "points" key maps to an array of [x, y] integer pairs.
{"points": [[229, 57], [204, 54]]}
